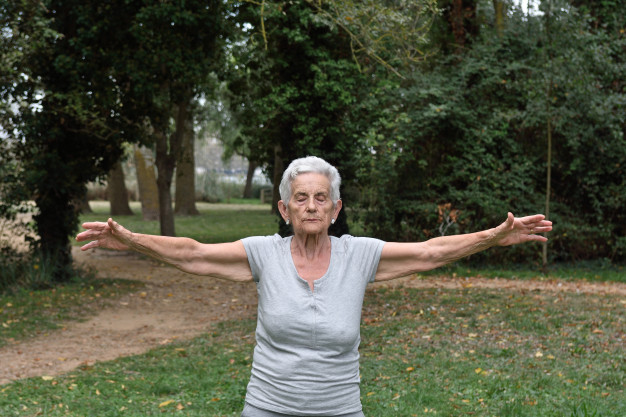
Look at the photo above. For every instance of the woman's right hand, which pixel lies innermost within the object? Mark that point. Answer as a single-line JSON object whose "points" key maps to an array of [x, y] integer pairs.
{"points": [[109, 235]]}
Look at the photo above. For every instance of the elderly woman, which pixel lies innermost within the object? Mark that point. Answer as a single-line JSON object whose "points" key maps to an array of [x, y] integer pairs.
{"points": [[310, 288]]}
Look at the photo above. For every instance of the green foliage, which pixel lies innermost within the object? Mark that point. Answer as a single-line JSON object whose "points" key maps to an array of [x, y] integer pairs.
{"points": [[292, 99], [60, 100], [394, 35], [470, 132]]}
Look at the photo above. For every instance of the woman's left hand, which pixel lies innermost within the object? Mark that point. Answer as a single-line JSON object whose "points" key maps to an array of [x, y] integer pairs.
{"points": [[522, 229]]}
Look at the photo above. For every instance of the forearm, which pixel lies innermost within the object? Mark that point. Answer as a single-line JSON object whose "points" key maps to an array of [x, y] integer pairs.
{"points": [[446, 249], [175, 251], [401, 259], [219, 260]]}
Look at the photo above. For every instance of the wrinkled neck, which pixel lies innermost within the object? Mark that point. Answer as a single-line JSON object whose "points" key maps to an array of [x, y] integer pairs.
{"points": [[310, 246]]}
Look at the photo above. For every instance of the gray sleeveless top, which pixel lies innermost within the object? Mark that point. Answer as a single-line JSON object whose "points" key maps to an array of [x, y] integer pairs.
{"points": [[306, 359]]}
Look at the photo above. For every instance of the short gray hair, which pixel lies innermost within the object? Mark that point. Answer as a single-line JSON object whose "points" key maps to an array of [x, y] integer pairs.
{"points": [[310, 164]]}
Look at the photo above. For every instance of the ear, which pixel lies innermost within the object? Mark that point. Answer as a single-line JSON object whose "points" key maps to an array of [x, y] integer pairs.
{"points": [[337, 209], [282, 208]]}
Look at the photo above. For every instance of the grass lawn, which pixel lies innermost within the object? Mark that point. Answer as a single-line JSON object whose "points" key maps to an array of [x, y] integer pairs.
{"points": [[216, 223], [428, 352], [424, 352]]}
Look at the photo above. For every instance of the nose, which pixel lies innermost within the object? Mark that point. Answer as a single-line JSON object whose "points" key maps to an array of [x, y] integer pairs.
{"points": [[311, 206]]}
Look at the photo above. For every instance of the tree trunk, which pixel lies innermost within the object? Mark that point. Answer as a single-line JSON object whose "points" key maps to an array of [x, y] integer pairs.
{"points": [[544, 249], [117, 192], [82, 204], [279, 167], [462, 20], [165, 163], [247, 191], [54, 243], [499, 10], [146, 182], [186, 169], [548, 17], [168, 149]]}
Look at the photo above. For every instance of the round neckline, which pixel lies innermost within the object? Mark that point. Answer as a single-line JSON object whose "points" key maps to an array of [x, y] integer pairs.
{"points": [[319, 280]]}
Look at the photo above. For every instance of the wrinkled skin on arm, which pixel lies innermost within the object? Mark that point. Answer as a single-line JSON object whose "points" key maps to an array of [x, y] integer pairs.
{"points": [[223, 260], [401, 259]]}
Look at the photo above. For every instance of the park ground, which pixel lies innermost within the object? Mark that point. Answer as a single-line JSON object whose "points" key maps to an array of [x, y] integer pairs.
{"points": [[170, 305]]}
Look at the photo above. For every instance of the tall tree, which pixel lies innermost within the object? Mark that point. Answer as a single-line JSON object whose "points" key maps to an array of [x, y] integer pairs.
{"points": [[64, 125], [162, 53], [293, 97]]}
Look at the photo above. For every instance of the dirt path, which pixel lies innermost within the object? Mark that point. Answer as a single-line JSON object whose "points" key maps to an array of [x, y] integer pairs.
{"points": [[171, 306], [174, 306]]}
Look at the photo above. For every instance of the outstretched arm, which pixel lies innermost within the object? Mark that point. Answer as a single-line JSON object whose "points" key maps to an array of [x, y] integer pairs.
{"points": [[401, 259], [222, 260]]}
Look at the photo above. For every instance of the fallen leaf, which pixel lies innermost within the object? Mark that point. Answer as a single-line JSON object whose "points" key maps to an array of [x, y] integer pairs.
{"points": [[47, 378], [165, 403]]}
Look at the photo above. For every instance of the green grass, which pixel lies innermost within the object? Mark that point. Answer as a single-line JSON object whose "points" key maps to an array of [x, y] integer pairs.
{"points": [[424, 353], [27, 313], [589, 271], [216, 223]]}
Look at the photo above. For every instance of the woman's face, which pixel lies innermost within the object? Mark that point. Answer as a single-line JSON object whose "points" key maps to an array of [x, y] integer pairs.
{"points": [[310, 207]]}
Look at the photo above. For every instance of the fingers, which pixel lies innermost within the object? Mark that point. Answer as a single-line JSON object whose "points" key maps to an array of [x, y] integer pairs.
{"points": [[94, 225], [90, 245], [535, 224]]}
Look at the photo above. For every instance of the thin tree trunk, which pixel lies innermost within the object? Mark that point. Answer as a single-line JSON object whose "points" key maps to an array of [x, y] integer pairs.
{"points": [[544, 249], [146, 182], [548, 17], [117, 192], [185, 197], [165, 163], [247, 191], [279, 167]]}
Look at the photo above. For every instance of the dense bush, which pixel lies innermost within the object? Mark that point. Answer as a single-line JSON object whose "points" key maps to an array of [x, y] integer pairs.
{"points": [[464, 141]]}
